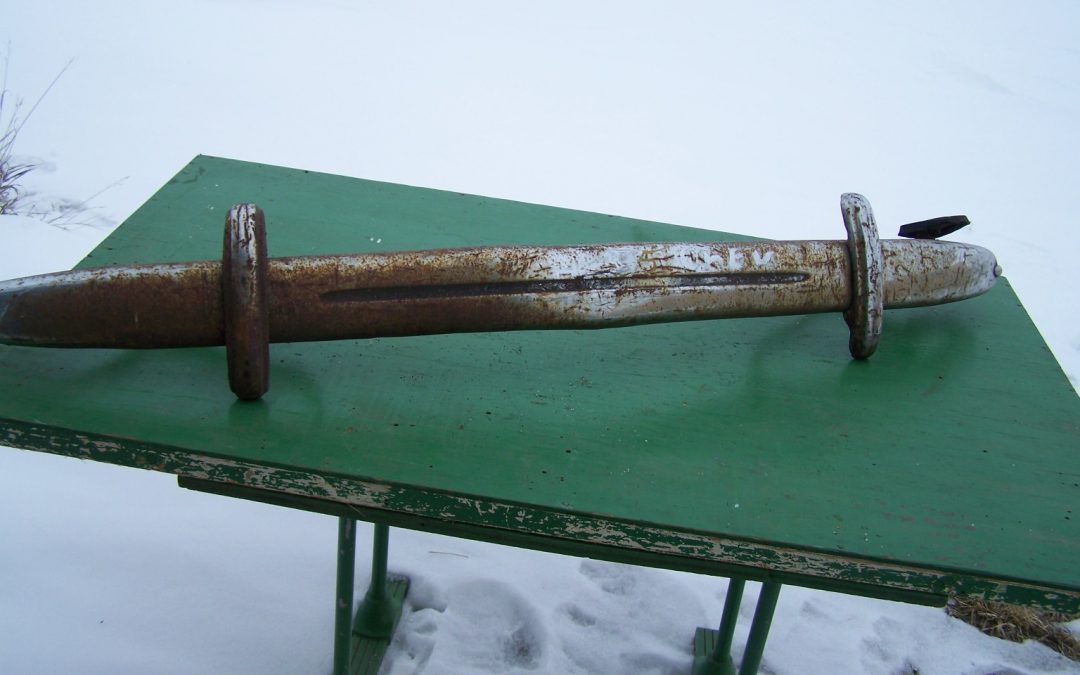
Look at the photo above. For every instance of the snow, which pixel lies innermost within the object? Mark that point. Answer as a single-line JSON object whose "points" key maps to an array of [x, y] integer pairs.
{"points": [[746, 118]]}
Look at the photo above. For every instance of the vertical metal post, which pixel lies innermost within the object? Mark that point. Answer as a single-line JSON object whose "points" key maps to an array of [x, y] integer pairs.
{"points": [[712, 649], [759, 629], [727, 622], [380, 547], [346, 562], [378, 612]]}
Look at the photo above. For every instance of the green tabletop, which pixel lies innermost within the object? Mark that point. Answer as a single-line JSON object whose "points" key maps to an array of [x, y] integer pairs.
{"points": [[949, 463]]}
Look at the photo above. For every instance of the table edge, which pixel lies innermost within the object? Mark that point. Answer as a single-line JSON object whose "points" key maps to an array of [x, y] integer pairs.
{"points": [[542, 528]]}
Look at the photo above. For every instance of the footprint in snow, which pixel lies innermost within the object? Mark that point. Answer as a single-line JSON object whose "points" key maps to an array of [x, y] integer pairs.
{"points": [[621, 622], [611, 577], [482, 626]]}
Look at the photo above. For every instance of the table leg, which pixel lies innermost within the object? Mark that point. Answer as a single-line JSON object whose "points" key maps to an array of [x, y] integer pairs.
{"points": [[346, 561], [712, 649], [759, 629], [373, 625], [378, 611]]}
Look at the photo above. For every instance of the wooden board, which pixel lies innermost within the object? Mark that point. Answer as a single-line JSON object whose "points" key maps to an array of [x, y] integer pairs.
{"points": [[946, 464]]}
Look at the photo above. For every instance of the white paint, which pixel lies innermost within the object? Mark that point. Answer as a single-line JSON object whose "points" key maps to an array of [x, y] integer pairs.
{"points": [[735, 260], [763, 259]]}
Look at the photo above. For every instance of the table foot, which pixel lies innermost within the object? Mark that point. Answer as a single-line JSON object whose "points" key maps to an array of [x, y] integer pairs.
{"points": [[379, 610], [707, 659], [360, 641], [368, 651], [712, 648]]}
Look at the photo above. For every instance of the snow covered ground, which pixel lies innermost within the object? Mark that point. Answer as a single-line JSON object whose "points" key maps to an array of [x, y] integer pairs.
{"points": [[751, 119]]}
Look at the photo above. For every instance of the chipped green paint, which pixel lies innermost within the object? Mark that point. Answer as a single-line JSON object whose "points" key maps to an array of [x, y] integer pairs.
{"points": [[750, 448], [486, 519]]}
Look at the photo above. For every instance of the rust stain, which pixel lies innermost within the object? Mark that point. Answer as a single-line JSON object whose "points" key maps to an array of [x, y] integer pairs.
{"points": [[494, 288], [514, 288], [131, 307]]}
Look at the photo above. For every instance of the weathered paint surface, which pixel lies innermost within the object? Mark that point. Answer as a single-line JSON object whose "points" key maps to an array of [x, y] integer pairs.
{"points": [[754, 559]]}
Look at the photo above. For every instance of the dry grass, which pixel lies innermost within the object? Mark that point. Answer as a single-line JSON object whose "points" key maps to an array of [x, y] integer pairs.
{"points": [[12, 171], [1017, 624], [59, 212]]}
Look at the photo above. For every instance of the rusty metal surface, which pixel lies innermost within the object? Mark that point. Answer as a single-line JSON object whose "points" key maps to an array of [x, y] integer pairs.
{"points": [[479, 289], [921, 272], [865, 312], [244, 301], [166, 305], [514, 288], [248, 301]]}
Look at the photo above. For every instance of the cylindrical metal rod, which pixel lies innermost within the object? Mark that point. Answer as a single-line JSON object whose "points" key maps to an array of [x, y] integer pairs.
{"points": [[346, 562], [380, 550], [376, 615], [486, 289], [247, 301], [732, 601], [759, 628]]}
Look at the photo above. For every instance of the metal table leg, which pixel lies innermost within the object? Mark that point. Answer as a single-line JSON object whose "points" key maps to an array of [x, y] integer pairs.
{"points": [[346, 561], [759, 629], [379, 610], [712, 648], [360, 642]]}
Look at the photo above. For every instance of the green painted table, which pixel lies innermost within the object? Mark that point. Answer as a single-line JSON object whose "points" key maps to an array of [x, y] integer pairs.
{"points": [[947, 464]]}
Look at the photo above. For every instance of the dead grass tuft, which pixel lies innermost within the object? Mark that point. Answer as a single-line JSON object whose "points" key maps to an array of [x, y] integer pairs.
{"points": [[12, 170], [1017, 624]]}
